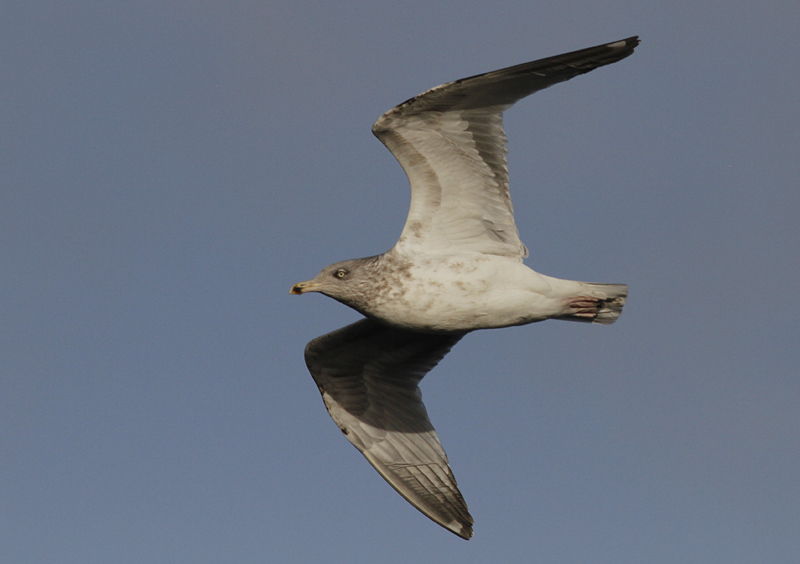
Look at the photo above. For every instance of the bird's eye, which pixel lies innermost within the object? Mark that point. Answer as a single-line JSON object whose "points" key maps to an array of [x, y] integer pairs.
{"points": [[341, 273]]}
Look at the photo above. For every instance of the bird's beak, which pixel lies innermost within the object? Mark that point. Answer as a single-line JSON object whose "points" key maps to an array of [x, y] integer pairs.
{"points": [[303, 287]]}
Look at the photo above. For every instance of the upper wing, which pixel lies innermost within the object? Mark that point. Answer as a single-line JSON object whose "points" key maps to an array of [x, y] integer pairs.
{"points": [[451, 143], [368, 375]]}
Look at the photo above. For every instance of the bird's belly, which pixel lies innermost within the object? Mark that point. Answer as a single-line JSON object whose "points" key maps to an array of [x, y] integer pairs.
{"points": [[449, 296]]}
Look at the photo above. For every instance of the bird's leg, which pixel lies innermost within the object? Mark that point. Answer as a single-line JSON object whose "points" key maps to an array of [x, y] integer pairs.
{"points": [[583, 306]]}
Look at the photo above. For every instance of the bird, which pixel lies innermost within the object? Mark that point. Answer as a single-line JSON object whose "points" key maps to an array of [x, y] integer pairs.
{"points": [[457, 267]]}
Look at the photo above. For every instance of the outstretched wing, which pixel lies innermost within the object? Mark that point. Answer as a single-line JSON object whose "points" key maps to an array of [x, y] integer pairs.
{"points": [[368, 375], [451, 143]]}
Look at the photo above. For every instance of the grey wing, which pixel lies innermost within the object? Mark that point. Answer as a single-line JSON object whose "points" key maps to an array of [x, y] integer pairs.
{"points": [[451, 143], [368, 375]]}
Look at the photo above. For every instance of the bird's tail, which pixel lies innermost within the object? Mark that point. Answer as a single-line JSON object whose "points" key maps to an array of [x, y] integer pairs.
{"points": [[597, 303]]}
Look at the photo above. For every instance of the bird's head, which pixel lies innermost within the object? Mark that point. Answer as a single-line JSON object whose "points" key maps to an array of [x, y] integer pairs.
{"points": [[347, 281]]}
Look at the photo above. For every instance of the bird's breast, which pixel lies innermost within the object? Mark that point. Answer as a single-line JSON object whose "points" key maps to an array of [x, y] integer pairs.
{"points": [[461, 293]]}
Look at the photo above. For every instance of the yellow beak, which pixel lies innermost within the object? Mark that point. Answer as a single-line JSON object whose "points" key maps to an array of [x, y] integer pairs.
{"points": [[303, 287]]}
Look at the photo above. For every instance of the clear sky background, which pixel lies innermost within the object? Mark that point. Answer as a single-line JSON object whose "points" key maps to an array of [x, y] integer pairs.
{"points": [[169, 169]]}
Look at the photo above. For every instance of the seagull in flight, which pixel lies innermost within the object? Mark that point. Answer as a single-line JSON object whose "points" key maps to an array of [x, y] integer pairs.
{"points": [[457, 267]]}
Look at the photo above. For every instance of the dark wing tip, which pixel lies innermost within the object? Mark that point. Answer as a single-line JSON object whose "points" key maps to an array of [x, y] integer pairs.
{"points": [[463, 530], [623, 47], [629, 44], [571, 64], [506, 86]]}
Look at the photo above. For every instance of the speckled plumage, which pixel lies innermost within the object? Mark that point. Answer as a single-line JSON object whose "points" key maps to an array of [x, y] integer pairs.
{"points": [[457, 267]]}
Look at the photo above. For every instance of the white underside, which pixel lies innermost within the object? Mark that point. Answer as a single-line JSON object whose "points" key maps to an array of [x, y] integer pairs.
{"points": [[469, 291]]}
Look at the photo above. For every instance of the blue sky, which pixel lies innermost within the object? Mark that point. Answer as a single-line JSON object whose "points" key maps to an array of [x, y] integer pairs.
{"points": [[168, 171]]}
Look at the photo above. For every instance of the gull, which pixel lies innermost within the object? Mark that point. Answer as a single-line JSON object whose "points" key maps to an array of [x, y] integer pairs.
{"points": [[457, 267]]}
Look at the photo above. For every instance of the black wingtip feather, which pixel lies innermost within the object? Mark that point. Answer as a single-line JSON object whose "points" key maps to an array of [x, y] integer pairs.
{"points": [[506, 86]]}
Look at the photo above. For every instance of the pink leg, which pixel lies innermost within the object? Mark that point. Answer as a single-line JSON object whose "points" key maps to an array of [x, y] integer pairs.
{"points": [[584, 307]]}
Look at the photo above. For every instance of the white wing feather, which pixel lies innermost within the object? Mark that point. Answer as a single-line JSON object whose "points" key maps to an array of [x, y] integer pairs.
{"points": [[451, 143]]}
